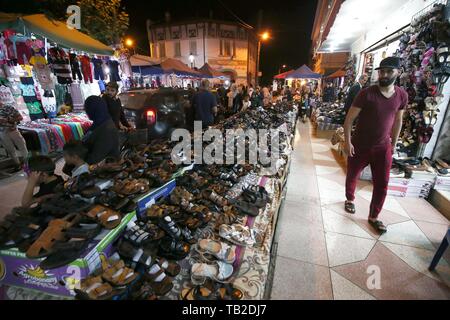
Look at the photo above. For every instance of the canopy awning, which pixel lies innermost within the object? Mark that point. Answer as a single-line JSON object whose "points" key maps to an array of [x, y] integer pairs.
{"points": [[337, 74], [139, 60], [283, 75], [147, 70], [207, 70], [304, 72], [55, 31], [179, 68]]}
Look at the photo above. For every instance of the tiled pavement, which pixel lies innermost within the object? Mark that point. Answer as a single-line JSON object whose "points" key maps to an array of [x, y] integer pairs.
{"points": [[325, 253]]}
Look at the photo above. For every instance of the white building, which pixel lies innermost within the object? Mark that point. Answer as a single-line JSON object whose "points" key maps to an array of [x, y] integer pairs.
{"points": [[227, 46]]}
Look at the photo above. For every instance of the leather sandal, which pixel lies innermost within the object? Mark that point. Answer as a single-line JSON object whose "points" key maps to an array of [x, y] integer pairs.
{"points": [[42, 247], [107, 217], [117, 274], [94, 288]]}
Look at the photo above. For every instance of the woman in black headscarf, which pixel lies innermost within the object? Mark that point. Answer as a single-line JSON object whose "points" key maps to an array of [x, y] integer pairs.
{"points": [[102, 138]]}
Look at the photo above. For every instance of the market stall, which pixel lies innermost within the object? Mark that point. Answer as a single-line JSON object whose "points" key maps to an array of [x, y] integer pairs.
{"points": [[148, 213], [47, 69]]}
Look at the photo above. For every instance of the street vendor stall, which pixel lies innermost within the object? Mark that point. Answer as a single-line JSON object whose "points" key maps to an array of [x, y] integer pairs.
{"points": [[48, 69]]}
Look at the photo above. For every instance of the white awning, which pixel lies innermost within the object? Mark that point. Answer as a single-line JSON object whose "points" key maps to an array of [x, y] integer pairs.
{"points": [[354, 19]]}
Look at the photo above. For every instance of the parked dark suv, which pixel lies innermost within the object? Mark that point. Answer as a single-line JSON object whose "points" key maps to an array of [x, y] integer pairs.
{"points": [[158, 110]]}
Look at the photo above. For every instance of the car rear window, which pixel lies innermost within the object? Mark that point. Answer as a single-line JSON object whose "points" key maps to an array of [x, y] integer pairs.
{"points": [[134, 100]]}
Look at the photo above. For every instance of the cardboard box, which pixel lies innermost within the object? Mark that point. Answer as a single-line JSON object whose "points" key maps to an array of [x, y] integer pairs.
{"points": [[19, 271]]}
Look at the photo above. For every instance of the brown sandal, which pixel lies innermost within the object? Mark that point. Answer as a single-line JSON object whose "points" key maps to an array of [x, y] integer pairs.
{"points": [[160, 287], [42, 247], [214, 197], [117, 274], [93, 288], [172, 268], [107, 217]]}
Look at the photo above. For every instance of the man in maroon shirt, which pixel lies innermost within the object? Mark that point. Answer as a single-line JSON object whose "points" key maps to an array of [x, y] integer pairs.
{"points": [[380, 111]]}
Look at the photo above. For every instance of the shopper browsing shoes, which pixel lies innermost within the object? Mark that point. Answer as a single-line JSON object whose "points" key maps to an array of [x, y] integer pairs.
{"points": [[74, 154], [42, 176], [102, 138], [380, 111]]}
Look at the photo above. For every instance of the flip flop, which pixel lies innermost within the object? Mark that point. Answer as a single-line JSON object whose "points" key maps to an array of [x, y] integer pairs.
{"points": [[350, 207], [379, 226]]}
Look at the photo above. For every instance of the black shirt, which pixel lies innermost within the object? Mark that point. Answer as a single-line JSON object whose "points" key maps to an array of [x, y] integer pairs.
{"points": [[352, 93], [204, 102], [116, 111], [102, 143], [48, 188]]}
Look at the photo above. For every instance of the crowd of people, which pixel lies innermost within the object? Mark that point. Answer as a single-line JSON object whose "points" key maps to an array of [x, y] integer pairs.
{"points": [[109, 126], [211, 105]]}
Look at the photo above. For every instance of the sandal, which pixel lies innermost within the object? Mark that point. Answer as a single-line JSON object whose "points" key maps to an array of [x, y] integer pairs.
{"points": [[137, 236], [237, 234], [43, 246], [219, 271], [246, 208], [172, 249], [158, 280], [135, 255], [172, 268], [217, 249], [142, 291], [379, 226], [196, 293], [117, 274], [107, 217], [214, 197], [350, 207], [169, 226], [93, 288]]}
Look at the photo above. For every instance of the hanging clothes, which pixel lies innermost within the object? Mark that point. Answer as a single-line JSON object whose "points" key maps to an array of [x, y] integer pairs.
{"points": [[75, 65], [86, 68], [77, 97], [125, 66], [42, 71], [114, 70], [23, 52], [6, 96], [98, 69], [60, 65]]}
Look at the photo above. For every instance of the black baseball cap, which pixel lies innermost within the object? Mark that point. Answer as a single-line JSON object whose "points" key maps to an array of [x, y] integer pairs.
{"points": [[390, 63]]}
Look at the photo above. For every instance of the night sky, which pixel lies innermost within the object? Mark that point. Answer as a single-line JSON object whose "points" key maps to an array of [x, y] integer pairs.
{"points": [[290, 23]]}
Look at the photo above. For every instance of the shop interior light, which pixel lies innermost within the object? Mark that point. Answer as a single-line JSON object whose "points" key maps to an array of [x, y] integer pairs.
{"points": [[107, 70]]}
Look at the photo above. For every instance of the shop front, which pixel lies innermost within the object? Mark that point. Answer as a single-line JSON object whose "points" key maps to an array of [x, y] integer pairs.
{"points": [[415, 32]]}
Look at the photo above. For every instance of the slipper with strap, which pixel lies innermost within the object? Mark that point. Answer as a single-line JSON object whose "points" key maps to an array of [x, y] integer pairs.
{"points": [[379, 226]]}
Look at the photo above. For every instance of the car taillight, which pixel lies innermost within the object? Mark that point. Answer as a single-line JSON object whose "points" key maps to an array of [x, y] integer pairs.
{"points": [[150, 116]]}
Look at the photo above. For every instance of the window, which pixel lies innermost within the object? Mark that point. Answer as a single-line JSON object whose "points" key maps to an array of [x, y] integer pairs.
{"points": [[193, 47], [177, 49], [162, 50], [226, 48]]}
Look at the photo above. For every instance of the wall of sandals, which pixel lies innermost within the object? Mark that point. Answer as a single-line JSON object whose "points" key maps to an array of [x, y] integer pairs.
{"points": [[424, 49]]}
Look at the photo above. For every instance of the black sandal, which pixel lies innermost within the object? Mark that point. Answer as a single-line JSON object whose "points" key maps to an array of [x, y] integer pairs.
{"points": [[350, 207], [379, 226]]}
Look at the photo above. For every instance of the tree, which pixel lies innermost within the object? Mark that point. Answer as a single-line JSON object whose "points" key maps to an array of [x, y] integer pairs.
{"points": [[104, 20]]}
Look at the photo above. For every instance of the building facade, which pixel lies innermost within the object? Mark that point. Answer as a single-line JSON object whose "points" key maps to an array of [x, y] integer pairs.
{"points": [[226, 46], [326, 62]]}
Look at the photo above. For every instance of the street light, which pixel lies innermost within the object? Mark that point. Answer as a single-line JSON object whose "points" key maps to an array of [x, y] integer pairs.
{"points": [[129, 43], [262, 37]]}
